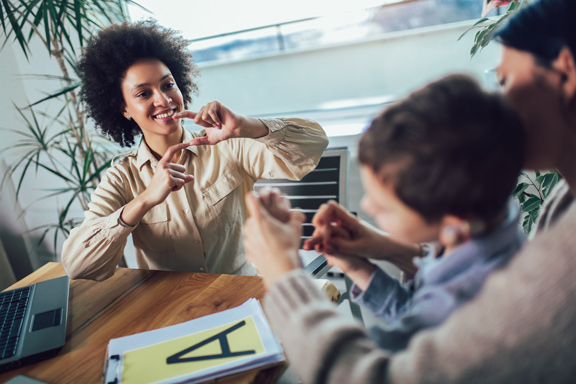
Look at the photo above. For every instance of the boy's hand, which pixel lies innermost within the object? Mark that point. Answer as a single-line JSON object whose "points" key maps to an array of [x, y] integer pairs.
{"points": [[359, 270], [337, 232], [347, 264]]}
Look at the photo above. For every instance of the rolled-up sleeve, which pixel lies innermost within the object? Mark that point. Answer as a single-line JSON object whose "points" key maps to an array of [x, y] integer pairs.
{"points": [[292, 148], [94, 249]]}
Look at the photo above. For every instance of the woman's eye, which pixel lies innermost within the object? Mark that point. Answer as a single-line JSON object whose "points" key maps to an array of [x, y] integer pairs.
{"points": [[170, 85], [142, 94]]}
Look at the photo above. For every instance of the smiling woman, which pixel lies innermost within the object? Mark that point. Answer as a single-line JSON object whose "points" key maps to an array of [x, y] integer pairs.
{"points": [[180, 194], [152, 98]]}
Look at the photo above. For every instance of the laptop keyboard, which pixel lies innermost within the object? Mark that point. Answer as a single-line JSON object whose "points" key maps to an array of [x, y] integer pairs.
{"points": [[13, 306]]}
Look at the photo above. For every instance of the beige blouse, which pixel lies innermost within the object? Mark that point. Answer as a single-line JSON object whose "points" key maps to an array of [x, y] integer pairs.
{"points": [[199, 227]]}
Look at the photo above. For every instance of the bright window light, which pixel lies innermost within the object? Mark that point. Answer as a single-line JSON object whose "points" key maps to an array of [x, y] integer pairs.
{"points": [[202, 18]]}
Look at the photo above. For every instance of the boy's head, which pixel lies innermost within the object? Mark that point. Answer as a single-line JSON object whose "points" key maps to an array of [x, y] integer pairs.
{"points": [[449, 150]]}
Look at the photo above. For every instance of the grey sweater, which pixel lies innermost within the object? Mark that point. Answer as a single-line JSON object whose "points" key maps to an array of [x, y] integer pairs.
{"points": [[520, 329]]}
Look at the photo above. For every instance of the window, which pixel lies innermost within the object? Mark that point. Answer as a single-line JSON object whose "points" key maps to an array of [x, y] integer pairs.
{"points": [[234, 32]]}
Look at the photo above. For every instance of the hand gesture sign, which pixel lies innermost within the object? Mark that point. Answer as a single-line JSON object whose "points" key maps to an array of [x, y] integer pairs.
{"points": [[168, 176], [221, 124]]}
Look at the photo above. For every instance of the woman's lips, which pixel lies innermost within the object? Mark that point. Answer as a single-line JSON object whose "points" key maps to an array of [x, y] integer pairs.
{"points": [[165, 115]]}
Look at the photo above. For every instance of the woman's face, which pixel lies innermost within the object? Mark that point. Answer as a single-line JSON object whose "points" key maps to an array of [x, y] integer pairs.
{"points": [[534, 91], [152, 97]]}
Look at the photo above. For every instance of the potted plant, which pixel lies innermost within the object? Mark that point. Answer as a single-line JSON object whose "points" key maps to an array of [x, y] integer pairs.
{"points": [[61, 144]]}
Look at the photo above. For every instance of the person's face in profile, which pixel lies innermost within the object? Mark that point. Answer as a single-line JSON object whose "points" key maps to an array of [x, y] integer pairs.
{"points": [[391, 214], [534, 92], [152, 97]]}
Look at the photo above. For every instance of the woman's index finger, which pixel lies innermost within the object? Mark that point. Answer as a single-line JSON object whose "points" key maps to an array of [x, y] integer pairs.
{"points": [[171, 151]]}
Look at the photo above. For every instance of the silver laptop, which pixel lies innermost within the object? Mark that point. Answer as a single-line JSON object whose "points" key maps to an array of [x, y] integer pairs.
{"points": [[33, 322]]}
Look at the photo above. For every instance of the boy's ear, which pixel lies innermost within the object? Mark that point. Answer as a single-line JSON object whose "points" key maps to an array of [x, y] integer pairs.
{"points": [[454, 231], [566, 66]]}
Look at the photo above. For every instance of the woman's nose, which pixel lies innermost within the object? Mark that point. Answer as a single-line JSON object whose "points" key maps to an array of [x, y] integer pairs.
{"points": [[162, 99]]}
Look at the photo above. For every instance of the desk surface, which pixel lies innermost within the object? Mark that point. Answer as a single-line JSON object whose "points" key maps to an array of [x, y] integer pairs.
{"points": [[134, 301]]}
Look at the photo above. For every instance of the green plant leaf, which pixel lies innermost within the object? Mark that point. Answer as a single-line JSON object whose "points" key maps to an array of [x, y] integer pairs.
{"points": [[534, 213], [522, 198], [549, 183], [512, 6], [531, 204], [527, 223], [482, 42], [520, 187], [475, 25], [57, 93]]}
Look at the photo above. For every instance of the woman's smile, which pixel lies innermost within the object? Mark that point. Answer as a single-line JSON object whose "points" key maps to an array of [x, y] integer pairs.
{"points": [[165, 116]]}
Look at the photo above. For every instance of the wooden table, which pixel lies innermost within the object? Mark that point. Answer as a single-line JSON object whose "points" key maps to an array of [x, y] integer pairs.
{"points": [[134, 301]]}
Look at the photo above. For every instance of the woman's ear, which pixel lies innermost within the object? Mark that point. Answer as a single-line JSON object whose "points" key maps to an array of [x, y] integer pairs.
{"points": [[565, 65], [454, 231]]}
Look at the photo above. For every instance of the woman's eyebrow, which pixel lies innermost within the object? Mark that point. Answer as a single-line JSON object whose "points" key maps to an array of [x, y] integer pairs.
{"points": [[147, 84]]}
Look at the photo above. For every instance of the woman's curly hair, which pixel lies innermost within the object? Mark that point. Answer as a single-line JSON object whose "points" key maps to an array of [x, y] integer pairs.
{"points": [[106, 59]]}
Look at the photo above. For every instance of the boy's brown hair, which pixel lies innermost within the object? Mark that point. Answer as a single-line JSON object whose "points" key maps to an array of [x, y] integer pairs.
{"points": [[448, 148]]}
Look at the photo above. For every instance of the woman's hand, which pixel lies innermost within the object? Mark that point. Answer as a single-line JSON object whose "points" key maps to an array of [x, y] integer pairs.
{"points": [[270, 244], [168, 177], [275, 203], [221, 124]]}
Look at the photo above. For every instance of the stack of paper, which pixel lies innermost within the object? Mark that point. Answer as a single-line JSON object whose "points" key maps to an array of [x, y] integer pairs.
{"points": [[228, 342]]}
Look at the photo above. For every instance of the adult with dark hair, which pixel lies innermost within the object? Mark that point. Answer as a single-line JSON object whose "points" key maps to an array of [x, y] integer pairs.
{"points": [[520, 327], [180, 194]]}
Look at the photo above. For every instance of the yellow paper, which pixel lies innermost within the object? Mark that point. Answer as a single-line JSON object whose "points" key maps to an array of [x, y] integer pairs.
{"points": [[149, 364]]}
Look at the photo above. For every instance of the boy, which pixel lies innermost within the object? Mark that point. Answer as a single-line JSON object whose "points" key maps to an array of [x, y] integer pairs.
{"points": [[439, 166]]}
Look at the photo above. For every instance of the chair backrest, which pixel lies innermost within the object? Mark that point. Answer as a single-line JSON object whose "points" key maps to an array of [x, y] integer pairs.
{"points": [[327, 182]]}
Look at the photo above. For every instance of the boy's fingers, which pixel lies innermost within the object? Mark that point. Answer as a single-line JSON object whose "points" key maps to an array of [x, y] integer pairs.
{"points": [[340, 232], [326, 212], [310, 243]]}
